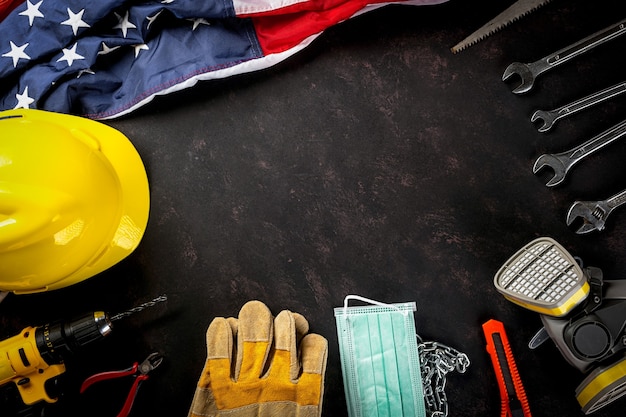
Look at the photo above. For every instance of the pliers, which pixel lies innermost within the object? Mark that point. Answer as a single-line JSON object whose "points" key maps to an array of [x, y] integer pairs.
{"points": [[140, 373]]}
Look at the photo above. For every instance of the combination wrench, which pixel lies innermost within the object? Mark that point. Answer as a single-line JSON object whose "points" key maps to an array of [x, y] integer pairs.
{"points": [[529, 72], [594, 213], [562, 162], [550, 117]]}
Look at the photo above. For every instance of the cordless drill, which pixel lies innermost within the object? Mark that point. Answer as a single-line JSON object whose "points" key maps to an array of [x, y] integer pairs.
{"points": [[34, 359], [35, 356]]}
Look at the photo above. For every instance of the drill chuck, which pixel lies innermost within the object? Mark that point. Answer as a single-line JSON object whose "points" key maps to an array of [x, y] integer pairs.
{"points": [[56, 340]]}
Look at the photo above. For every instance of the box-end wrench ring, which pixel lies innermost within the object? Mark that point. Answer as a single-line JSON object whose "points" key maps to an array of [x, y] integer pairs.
{"points": [[529, 72], [594, 213], [549, 117], [562, 162]]}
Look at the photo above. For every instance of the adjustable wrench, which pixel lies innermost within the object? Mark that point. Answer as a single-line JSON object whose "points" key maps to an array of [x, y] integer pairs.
{"points": [[594, 213], [528, 72], [550, 117], [562, 162]]}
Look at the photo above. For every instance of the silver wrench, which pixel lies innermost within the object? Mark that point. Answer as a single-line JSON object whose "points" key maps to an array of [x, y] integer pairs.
{"points": [[550, 117], [594, 213], [528, 72], [562, 162]]}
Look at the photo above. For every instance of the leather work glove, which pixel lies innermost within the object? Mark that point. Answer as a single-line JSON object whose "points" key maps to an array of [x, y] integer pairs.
{"points": [[261, 366]]}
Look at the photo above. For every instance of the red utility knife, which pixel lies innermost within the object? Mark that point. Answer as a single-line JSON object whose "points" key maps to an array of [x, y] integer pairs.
{"points": [[513, 396]]}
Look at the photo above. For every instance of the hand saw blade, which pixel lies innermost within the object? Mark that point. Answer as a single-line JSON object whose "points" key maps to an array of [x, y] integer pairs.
{"points": [[517, 10]]}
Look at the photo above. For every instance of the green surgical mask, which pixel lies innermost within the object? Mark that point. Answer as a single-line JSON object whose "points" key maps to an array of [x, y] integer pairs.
{"points": [[380, 359]]}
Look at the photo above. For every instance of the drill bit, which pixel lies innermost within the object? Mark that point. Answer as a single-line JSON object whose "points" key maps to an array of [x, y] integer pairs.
{"points": [[139, 308]]}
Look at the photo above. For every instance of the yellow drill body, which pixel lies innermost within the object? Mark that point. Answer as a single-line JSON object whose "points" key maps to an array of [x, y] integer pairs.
{"points": [[21, 363]]}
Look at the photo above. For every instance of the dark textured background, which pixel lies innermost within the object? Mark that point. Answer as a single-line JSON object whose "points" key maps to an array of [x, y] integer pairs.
{"points": [[375, 162]]}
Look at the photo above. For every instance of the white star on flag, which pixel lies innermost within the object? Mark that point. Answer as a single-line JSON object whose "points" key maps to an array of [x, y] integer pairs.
{"points": [[151, 19], [70, 55], [85, 71], [106, 49], [32, 11], [139, 48], [198, 22], [123, 23], [16, 53], [23, 100], [75, 20]]}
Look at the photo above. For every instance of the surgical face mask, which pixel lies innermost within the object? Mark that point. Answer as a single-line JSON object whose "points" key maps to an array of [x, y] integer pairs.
{"points": [[380, 359]]}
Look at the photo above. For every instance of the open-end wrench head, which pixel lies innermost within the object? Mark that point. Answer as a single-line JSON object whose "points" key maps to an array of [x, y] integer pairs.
{"points": [[585, 211], [524, 72], [547, 118], [550, 161]]}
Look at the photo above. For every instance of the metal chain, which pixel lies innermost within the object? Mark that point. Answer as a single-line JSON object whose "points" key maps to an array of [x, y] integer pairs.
{"points": [[436, 361]]}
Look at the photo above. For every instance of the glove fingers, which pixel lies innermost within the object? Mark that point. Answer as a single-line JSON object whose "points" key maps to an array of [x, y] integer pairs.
{"points": [[286, 355], [234, 326], [254, 338], [302, 325], [314, 350], [219, 339], [314, 355], [219, 342]]}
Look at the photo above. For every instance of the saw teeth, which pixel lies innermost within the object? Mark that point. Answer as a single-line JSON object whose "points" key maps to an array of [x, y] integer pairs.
{"points": [[505, 18]]}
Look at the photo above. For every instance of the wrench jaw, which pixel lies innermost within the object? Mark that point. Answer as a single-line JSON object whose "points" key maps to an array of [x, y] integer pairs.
{"points": [[524, 72], [550, 161], [547, 119], [591, 215]]}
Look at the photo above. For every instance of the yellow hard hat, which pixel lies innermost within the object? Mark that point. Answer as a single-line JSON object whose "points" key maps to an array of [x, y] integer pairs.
{"points": [[74, 199]]}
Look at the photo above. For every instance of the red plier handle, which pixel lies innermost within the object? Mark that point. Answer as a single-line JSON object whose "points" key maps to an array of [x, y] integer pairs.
{"points": [[103, 376], [140, 373]]}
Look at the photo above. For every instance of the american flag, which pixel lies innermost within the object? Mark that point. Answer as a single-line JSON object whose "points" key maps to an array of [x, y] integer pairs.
{"points": [[103, 59]]}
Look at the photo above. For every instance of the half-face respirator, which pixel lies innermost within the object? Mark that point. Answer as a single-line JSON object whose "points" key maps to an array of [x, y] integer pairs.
{"points": [[583, 314]]}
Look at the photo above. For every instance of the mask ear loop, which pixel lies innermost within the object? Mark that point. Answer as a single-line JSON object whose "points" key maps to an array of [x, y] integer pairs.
{"points": [[368, 300]]}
